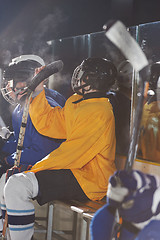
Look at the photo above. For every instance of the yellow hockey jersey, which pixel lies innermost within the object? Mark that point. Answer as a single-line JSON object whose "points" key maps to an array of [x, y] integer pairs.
{"points": [[149, 140], [89, 150]]}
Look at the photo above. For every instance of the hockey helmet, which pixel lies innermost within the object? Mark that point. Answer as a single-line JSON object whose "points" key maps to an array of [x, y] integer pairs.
{"points": [[21, 69], [97, 73]]}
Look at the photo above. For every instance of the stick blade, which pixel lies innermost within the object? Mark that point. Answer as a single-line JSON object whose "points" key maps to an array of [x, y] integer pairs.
{"points": [[117, 33]]}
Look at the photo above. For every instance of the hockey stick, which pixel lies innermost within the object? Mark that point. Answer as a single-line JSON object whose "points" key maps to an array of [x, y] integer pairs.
{"points": [[47, 71], [117, 33]]}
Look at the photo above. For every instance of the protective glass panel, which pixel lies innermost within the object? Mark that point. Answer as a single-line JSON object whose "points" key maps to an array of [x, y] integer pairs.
{"points": [[149, 141], [72, 51]]}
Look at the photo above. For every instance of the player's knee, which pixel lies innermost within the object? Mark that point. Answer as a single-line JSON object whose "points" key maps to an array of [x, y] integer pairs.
{"points": [[14, 187], [2, 184]]}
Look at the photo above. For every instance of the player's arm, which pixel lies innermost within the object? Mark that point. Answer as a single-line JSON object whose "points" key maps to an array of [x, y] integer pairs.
{"points": [[47, 120]]}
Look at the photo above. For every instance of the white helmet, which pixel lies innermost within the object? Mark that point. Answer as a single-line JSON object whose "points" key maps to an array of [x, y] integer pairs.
{"points": [[27, 58], [20, 69]]}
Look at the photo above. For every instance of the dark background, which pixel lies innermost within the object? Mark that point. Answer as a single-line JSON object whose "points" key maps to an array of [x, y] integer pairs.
{"points": [[26, 25]]}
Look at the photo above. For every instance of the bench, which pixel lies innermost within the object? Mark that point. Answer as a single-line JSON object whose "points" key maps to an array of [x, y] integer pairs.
{"points": [[82, 215]]}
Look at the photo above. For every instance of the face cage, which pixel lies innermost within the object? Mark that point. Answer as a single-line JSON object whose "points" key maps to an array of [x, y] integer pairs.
{"points": [[77, 79], [7, 93]]}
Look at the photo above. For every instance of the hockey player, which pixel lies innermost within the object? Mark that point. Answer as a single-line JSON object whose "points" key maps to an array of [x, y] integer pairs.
{"points": [[16, 77], [80, 167], [35, 146], [137, 197], [149, 141]]}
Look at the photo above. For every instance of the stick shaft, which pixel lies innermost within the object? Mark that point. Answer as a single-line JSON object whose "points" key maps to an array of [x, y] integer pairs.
{"points": [[136, 128], [22, 130], [5, 226], [19, 148]]}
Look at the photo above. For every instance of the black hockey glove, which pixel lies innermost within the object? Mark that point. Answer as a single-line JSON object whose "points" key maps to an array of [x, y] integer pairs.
{"points": [[15, 170]]}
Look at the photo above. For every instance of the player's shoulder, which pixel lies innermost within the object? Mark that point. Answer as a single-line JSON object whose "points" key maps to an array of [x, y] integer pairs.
{"points": [[53, 95], [52, 92], [74, 98]]}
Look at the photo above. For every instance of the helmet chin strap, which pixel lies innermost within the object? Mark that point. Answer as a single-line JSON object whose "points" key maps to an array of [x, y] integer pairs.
{"points": [[17, 92], [82, 87], [20, 92], [86, 90]]}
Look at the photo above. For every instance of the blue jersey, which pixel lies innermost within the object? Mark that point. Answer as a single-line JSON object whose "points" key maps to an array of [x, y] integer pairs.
{"points": [[35, 145]]}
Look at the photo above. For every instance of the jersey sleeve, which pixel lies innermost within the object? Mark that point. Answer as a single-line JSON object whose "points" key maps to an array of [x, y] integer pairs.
{"points": [[49, 121]]}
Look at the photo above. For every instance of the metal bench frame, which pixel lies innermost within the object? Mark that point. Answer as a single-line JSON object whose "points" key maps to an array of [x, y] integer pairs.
{"points": [[82, 215]]}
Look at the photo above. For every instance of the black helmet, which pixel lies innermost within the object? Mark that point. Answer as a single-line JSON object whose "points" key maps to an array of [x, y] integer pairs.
{"points": [[155, 74], [21, 69], [98, 73]]}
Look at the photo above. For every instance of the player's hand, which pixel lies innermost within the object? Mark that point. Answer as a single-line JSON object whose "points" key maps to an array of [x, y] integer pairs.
{"points": [[120, 184], [137, 196], [39, 88], [5, 132]]}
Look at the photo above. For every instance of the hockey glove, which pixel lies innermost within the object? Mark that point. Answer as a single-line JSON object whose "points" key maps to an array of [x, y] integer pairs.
{"points": [[5, 132], [15, 170], [141, 199], [120, 184]]}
